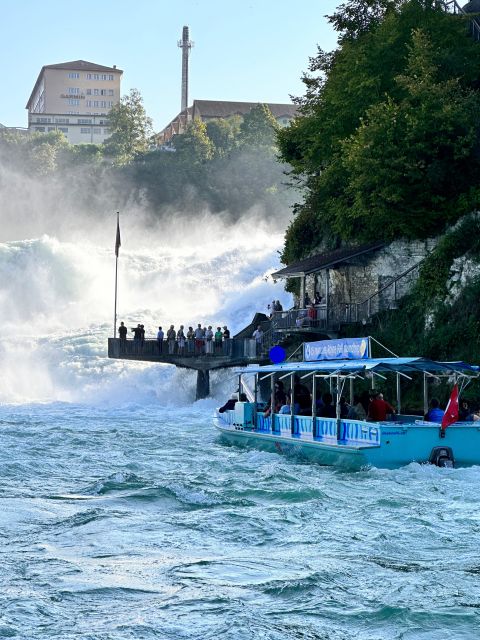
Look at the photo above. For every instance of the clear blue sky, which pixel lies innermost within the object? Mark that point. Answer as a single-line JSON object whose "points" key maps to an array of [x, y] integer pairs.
{"points": [[255, 50]]}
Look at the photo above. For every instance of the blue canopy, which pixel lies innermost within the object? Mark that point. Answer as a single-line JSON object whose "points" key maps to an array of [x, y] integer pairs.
{"points": [[346, 367]]}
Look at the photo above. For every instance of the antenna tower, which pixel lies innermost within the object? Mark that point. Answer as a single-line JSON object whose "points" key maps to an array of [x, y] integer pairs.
{"points": [[185, 45]]}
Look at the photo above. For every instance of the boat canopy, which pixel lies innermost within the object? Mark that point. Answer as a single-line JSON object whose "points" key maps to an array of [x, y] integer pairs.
{"points": [[348, 367]]}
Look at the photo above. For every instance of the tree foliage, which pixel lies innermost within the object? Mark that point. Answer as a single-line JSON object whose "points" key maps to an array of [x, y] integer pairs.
{"points": [[131, 129], [386, 145]]}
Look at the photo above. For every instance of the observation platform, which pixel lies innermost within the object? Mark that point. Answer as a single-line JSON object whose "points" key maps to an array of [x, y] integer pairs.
{"points": [[235, 352]]}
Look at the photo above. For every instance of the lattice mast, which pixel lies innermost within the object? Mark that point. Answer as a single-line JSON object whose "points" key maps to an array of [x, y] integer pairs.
{"points": [[185, 45]]}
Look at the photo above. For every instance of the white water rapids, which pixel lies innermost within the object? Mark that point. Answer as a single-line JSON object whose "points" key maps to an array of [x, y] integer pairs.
{"points": [[57, 295]]}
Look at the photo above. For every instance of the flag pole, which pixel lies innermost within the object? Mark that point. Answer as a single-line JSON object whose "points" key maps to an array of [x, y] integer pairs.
{"points": [[117, 246]]}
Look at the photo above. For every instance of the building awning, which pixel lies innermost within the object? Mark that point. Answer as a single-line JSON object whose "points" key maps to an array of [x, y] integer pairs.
{"points": [[325, 260]]}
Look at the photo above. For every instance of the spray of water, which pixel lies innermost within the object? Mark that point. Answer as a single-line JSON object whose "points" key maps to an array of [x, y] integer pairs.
{"points": [[57, 288]]}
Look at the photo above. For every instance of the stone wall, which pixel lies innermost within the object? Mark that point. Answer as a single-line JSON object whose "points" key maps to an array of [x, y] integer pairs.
{"points": [[364, 275]]}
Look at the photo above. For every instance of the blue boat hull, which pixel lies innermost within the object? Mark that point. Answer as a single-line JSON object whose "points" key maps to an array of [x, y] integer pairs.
{"points": [[386, 445]]}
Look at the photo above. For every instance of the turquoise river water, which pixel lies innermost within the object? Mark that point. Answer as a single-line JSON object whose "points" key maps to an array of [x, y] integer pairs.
{"points": [[137, 522]]}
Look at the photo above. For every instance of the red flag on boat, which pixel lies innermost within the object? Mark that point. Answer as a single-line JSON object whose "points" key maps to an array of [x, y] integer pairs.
{"points": [[118, 243], [451, 412]]}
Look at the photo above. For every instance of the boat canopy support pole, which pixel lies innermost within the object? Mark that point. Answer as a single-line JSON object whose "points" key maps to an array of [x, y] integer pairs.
{"points": [[399, 396], [292, 403], [425, 394], [314, 406], [272, 403], [203, 384]]}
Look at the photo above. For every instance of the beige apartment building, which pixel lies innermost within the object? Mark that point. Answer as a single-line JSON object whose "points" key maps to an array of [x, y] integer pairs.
{"points": [[74, 98]]}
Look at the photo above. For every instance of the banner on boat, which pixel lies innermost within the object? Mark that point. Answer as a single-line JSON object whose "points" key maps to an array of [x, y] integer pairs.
{"points": [[344, 349]]}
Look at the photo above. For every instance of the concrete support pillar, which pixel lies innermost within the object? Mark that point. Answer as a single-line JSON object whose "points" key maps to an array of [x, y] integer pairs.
{"points": [[203, 384]]}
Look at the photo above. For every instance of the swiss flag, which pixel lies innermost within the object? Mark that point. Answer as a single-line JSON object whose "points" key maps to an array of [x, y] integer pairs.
{"points": [[451, 412]]}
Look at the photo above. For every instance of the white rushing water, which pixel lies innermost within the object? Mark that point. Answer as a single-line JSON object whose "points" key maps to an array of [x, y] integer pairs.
{"points": [[57, 300]]}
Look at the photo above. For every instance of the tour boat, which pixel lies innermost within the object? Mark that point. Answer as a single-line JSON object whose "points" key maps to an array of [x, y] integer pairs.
{"points": [[345, 443]]}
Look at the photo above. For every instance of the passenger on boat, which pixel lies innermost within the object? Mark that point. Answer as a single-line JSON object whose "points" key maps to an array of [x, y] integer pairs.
{"points": [[465, 414], [378, 409], [357, 410], [434, 414], [301, 395], [230, 404], [328, 410], [287, 407], [344, 408]]}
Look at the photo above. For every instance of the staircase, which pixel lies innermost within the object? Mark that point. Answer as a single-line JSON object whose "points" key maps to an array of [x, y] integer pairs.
{"points": [[452, 6]]}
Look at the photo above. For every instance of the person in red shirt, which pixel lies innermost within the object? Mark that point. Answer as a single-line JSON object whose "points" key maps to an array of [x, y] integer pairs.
{"points": [[378, 409]]}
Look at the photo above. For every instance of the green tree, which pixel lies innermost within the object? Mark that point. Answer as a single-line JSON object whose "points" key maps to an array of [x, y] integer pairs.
{"points": [[194, 145], [349, 110], [258, 129], [131, 129], [224, 134]]}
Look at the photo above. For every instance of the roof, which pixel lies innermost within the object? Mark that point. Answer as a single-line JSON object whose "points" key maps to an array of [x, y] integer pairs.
{"points": [[75, 65], [472, 7], [345, 367], [325, 260], [224, 109]]}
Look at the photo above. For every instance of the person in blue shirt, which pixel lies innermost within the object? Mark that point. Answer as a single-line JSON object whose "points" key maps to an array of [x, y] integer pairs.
{"points": [[434, 414]]}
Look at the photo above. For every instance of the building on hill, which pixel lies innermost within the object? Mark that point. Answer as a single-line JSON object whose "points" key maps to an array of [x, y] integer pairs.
{"points": [[74, 98], [206, 110]]}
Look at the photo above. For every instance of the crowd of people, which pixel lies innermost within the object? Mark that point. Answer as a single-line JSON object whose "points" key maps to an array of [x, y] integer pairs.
{"points": [[199, 341]]}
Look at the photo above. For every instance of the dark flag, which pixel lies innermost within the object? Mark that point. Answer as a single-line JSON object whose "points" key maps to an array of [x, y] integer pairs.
{"points": [[118, 242]]}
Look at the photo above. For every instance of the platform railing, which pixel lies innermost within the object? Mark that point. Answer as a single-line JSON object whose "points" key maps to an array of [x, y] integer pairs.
{"points": [[153, 349]]}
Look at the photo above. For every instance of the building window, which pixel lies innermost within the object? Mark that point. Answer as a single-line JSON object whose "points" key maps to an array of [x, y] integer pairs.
{"points": [[96, 76], [95, 92], [97, 131], [110, 92], [43, 120], [110, 76], [106, 132], [89, 92], [62, 120], [74, 90], [85, 130], [103, 104], [73, 74], [95, 103], [51, 128], [84, 121], [110, 103], [73, 113], [41, 129], [63, 129], [88, 103], [74, 102]]}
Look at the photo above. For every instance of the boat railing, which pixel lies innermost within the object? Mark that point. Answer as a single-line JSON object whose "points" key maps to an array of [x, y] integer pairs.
{"points": [[326, 429]]}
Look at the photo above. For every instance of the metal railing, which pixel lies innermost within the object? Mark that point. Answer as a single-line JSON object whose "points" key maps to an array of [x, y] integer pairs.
{"points": [[452, 6], [233, 348]]}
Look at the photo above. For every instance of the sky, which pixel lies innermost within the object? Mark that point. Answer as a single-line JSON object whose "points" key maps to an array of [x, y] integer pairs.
{"points": [[252, 51]]}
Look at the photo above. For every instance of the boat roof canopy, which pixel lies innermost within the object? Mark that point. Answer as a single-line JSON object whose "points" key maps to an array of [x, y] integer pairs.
{"points": [[347, 367]]}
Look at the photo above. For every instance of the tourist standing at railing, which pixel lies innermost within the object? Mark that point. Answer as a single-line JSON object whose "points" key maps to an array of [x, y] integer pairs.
{"points": [[122, 332], [258, 336], [142, 337], [312, 315], [160, 335], [306, 300], [317, 298], [209, 341], [181, 341], [277, 307], [227, 343], [137, 337], [171, 334], [218, 340], [190, 340], [199, 340]]}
